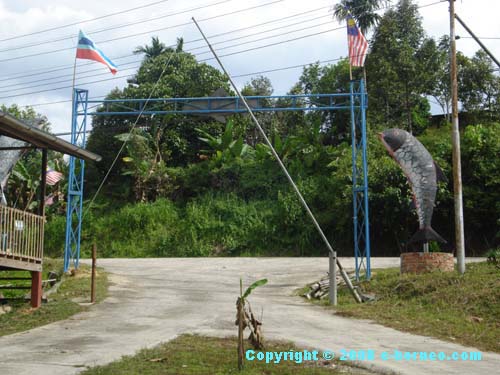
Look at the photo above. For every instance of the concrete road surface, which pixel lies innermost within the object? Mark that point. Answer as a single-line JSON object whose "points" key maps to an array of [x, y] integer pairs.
{"points": [[154, 300]]}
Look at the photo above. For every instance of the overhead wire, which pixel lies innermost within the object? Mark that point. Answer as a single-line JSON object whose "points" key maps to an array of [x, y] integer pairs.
{"points": [[114, 58], [38, 43], [64, 67], [272, 2], [203, 60], [229, 54], [225, 41], [38, 32], [171, 46]]}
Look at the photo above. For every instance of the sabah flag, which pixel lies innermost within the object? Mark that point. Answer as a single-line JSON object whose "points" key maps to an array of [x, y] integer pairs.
{"points": [[86, 49]]}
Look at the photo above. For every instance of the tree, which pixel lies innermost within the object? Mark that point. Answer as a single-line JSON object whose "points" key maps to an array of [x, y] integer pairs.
{"points": [[441, 90], [399, 64], [479, 87], [154, 50], [259, 86], [363, 11], [172, 74], [331, 78]]}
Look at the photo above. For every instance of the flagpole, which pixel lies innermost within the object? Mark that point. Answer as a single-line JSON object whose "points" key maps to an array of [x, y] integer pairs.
{"points": [[73, 84], [349, 50]]}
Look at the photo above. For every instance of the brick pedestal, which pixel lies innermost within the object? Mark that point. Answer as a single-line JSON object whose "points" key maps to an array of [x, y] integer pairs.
{"points": [[426, 262]]}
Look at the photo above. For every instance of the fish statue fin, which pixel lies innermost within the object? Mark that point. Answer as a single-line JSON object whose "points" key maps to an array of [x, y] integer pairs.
{"points": [[425, 235], [440, 176]]}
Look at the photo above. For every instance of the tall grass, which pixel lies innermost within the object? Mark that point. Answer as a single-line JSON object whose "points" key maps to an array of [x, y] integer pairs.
{"points": [[210, 225]]}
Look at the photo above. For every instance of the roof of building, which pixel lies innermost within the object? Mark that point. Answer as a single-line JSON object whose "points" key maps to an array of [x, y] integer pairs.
{"points": [[14, 128]]}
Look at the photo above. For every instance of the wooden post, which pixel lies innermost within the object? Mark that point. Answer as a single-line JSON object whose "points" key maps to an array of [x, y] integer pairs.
{"points": [[455, 136], [36, 276], [36, 289], [43, 184], [92, 283]]}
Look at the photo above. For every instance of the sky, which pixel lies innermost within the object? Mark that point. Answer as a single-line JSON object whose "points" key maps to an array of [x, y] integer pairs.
{"points": [[36, 64]]}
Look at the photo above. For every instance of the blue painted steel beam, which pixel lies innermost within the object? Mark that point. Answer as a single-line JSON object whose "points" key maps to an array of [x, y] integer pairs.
{"points": [[222, 105], [361, 224], [355, 101], [75, 181]]}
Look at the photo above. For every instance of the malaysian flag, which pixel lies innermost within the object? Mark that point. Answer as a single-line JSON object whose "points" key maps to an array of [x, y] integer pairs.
{"points": [[357, 43], [53, 177]]}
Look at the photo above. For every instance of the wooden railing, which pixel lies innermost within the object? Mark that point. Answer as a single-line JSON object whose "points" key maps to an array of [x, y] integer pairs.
{"points": [[21, 235]]}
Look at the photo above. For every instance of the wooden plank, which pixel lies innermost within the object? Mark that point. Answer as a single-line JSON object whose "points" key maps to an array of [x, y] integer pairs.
{"points": [[19, 264]]}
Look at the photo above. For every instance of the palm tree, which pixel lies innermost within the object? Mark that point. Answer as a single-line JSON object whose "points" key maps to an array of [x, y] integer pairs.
{"points": [[155, 49], [363, 11]]}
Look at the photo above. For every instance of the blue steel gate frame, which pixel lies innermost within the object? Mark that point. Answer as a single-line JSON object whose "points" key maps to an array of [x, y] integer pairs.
{"points": [[75, 180], [223, 105]]}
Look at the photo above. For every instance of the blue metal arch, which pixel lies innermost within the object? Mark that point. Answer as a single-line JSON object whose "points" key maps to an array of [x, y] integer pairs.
{"points": [[354, 101]]}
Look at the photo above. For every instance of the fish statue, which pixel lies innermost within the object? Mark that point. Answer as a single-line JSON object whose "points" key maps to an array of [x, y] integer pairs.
{"points": [[423, 174]]}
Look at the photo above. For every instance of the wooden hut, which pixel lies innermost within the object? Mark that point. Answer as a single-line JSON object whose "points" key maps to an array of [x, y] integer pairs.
{"points": [[22, 233]]}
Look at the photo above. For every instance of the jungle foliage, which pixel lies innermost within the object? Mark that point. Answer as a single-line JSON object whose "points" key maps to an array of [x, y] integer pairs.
{"points": [[193, 186]]}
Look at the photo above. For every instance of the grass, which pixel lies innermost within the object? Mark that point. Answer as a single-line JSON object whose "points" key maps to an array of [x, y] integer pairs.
{"points": [[462, 309], [61, 305], [192, 354]]}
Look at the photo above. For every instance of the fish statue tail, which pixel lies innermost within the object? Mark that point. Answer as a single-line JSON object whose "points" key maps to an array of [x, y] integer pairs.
{"points": [[427, 234]]}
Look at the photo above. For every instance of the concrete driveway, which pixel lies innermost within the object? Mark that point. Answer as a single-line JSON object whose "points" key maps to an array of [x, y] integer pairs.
{"points": [[154, 300]]}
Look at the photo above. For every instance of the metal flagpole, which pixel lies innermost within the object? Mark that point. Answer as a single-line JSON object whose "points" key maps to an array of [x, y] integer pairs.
{"points": [[285, 171]]}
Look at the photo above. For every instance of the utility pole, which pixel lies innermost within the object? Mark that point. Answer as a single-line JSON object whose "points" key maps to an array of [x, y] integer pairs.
{"points": [[455, 135]]}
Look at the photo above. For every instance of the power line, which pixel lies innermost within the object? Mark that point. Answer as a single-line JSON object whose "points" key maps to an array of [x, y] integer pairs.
{"points": [[38, 43], [189, 50], [70, 66], [235, 76], [120, 57], [84, 21], [204, 60], [142, 33], [229, 54]]}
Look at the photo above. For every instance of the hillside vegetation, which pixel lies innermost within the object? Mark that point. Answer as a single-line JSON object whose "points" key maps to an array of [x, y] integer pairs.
{"points": [[193, 186]]}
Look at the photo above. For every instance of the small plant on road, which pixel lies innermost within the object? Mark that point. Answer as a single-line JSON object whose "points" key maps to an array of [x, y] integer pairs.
{"points": [[246, 318]]}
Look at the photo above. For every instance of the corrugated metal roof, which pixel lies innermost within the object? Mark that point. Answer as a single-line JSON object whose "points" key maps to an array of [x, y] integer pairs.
{"points": [[14, 128]]}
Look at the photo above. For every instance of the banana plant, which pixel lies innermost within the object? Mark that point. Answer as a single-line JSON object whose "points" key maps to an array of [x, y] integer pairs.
{"points": [[226, 147], [246, 318]]}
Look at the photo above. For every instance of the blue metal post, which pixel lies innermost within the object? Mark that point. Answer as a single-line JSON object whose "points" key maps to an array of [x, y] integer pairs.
{"points": [[361, 227], [354, 180], [366, 218], [75, 181]]}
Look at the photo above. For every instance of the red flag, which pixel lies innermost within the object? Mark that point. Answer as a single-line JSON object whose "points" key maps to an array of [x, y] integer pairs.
{"points": [[357, 43]]}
